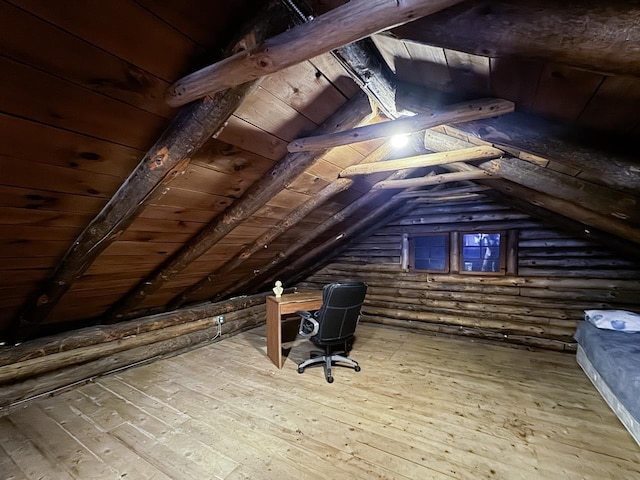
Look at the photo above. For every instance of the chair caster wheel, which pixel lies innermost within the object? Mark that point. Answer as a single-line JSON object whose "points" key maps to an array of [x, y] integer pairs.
{"points": [[330, 379], [300, 370], [357, 368]]}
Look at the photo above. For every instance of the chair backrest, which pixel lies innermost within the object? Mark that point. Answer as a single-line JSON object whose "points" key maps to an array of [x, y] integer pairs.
{"points": [[340, 311]]}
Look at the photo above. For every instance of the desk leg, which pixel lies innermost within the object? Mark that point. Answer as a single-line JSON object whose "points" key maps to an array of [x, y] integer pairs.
{"points": [[274, 334]]}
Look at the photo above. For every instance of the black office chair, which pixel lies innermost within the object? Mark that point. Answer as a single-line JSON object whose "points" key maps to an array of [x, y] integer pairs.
{"points": [[333, 325]]}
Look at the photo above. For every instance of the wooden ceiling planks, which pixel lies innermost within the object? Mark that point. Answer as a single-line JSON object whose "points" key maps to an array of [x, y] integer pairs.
{"points": [[622, 91], [39, 44], [50, 100], [142, 39], [564, 92]]}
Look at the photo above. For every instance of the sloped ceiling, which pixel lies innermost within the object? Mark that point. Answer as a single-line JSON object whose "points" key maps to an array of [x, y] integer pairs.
{"points": [[82, 94]]}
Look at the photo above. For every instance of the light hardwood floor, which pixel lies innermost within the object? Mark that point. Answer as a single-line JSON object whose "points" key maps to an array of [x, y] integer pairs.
{"points": [[422, 407]]}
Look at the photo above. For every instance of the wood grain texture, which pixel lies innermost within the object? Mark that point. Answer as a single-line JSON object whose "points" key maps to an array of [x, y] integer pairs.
{"points": [[168, 420], [334, 29]]}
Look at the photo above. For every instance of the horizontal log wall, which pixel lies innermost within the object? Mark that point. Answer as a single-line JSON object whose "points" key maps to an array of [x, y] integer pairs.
{"points": [[539, 304], [46, 365]]}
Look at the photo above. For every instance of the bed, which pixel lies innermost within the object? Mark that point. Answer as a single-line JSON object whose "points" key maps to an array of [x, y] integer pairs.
{"points": [[611, 360]]}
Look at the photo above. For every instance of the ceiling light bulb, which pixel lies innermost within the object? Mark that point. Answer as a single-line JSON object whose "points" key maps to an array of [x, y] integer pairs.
{"points": [[399, 141]]}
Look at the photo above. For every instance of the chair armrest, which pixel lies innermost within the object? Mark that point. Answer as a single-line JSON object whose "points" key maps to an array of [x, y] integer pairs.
{"points": [[309, 326]]}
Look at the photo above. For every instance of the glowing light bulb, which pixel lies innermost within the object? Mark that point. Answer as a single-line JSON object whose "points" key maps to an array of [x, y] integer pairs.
{"points": [[399, 141]]}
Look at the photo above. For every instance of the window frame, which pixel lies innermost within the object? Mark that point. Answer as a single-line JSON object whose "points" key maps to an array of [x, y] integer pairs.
{"points": [[502, 253], [447, 250]]}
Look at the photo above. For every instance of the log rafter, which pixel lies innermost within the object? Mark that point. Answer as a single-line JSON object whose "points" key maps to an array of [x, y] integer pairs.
{"points": [[165, 160], [426, 160], [457, 113], [343, 25], [286, 170], [285, 224]]}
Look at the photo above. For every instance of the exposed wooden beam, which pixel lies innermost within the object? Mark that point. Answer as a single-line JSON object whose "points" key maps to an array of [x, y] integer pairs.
{"points": [[275, 263], [603, 37], [443, 178], [167, 158], [343, 25], [322, 254], [608, 158], [261, 242], [350, 114], [586, 194], [426, 160], [613, 227], [460, 112], [285, 224], [362, 65]]}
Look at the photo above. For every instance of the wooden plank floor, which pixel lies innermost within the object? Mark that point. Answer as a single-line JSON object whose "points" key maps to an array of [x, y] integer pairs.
{"points": [[422, 407]]}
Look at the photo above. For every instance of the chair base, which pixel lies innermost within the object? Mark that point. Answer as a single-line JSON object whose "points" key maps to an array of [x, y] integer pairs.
{"points": [[328, 360]]}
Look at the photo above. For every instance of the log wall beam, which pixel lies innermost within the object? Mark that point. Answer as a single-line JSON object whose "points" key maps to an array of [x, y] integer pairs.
{"points": [[348, 23]]}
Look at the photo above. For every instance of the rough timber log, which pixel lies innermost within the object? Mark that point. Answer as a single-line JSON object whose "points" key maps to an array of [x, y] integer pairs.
{"points": [[586, 194], [441, 179], [595, 153], [343, 25], [289, 221], [603, 36], [427, 160], [555, 203], [460, 112], [598, 155], [97, 335], [261, 242], [84, 372], [358, 60], [167, 158], [287, 169]]}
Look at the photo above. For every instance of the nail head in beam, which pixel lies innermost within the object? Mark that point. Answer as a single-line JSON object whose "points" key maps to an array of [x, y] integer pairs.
{"points": [[457, 113]]}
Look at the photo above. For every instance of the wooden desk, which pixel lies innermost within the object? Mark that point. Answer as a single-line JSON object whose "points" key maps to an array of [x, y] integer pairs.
{"points": [[276, 307]]}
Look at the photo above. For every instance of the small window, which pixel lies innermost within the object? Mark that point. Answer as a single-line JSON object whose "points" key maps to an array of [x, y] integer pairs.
{"points": [[430, 253], [482, 252]]}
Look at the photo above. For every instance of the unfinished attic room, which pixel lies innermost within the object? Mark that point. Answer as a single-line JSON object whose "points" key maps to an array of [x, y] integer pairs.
{"points": [[319, 239]]}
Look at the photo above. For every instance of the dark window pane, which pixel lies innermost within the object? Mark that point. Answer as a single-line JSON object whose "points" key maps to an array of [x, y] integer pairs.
{"points": [[430, 252]]}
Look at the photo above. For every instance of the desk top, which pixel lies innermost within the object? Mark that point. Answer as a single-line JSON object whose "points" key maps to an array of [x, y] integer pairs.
{"points": [[297, 297]]}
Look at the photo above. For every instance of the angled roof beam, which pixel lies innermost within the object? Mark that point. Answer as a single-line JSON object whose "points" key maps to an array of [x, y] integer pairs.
{"points": [[350, 114], [613, 227], [166, 159], [607, 157], [586, 194], [309, 237], [343, 25], [460, 112], [262, 242], [426, 160]]}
